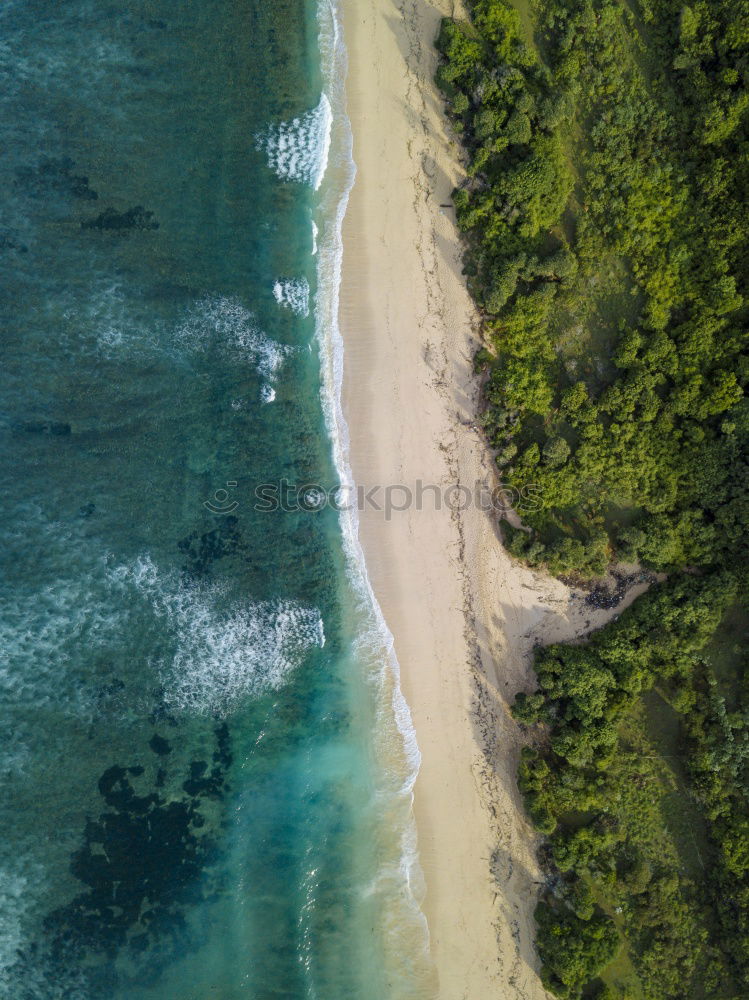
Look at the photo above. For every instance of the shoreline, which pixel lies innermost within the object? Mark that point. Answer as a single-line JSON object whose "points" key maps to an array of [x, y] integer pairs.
{"points": [[463, 615], [405, 931]]}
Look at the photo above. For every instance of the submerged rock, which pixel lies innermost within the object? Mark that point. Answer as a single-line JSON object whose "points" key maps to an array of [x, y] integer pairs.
{"points": [[52, 427], [134, 218], [54, 175]]}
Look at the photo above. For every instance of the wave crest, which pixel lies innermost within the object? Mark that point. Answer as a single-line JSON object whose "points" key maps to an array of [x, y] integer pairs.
{"points": [[293, 293], [298, 149], [222, 655], [224, 323]]}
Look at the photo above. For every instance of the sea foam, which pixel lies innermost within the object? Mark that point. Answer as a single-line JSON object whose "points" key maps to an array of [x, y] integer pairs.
{"points": [[41, 637], [293, 293], [206, 648], [13, 892], [298, 149], [222, 652], [224, 324], [219, 324]]}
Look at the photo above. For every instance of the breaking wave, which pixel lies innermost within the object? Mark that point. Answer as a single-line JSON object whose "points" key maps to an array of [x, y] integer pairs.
{"points": [[225, 324], [298, 150], [293, 293], [222, 655], [204, 649]]}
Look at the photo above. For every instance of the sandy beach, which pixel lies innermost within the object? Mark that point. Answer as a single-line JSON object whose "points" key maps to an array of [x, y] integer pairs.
{"points": [[463, 614]]}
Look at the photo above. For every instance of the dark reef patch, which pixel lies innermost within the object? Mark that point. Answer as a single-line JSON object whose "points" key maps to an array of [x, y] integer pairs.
{"points": [[137, 218], [54, 175], [202, 549], [55, 428], [159, 745], [9, 242], [141, 862]]}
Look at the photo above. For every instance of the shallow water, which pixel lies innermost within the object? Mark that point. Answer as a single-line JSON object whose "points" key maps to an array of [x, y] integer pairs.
{"points": [[206, 787]]}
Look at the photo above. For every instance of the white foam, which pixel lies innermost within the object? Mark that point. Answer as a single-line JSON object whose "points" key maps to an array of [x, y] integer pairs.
{"points": [[13, 894], [207, 648], [21, 908], [111, 337], [104, 311], [65, 62], [375, 642], [298, 150], [315, 233], [218, 322], [40, 641], [293, 293], [214, 323], [222, 655]]}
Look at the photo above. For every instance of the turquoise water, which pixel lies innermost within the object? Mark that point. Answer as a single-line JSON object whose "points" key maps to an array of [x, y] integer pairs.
{"points": [[206, 761]]}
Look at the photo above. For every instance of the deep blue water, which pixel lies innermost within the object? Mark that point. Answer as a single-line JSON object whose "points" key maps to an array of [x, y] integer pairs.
{"points": [[194, 802]]}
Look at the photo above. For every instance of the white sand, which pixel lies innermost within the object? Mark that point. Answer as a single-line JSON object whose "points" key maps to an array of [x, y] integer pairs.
{"points": [[463, 614]]}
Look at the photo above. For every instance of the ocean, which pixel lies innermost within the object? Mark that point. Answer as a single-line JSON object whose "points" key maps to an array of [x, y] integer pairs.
{"points": [[207, 762]]}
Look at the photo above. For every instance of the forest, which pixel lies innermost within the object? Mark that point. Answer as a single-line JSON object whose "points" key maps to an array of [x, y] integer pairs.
{"points": [[606, 226]]}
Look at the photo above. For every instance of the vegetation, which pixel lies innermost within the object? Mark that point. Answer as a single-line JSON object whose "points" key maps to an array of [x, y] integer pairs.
{"points": [[605, 217], [621, 826], [606, 223]]}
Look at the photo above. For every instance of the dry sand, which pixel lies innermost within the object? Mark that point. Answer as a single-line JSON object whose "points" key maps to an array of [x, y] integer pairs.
{"points": [[463, 614]]}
